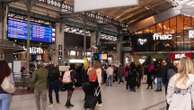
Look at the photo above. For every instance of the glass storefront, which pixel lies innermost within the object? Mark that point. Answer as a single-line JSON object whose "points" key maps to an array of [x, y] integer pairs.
{"points": [[180, 27]]}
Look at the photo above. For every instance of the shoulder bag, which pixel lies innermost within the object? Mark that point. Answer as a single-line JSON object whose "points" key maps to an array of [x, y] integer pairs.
{"points": [[7, 85]]}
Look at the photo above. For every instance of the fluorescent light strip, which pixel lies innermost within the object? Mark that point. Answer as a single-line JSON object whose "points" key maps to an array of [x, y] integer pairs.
{"points": [[76, 61]]}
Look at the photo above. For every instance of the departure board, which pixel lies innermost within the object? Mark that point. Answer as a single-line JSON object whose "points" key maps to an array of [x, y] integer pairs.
{"points": [[17, 29]]}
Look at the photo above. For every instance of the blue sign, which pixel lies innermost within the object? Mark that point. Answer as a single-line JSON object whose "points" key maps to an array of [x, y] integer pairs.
{"points": [[17, 29]]}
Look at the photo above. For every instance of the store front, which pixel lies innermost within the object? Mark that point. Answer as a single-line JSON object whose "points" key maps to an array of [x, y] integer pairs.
{"points": [[174, 35], [105, 45]]}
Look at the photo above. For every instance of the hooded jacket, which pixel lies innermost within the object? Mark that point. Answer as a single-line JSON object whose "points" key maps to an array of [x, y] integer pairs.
{"points": [[181, 96]]}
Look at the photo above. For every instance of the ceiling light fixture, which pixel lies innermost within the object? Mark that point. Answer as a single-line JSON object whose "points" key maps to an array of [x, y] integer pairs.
{"points": [[147, 8]]}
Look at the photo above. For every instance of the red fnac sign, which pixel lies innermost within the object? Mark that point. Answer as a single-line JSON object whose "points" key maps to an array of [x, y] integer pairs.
{"points": [[175, 56]]}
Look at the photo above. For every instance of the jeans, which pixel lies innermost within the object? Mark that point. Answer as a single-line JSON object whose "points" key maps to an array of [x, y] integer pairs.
{"points": [[41, 99], [109, 80], [159, 84], [121, 79], [5, 100]]}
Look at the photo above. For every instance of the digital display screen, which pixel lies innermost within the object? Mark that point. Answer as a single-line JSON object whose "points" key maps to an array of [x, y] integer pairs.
{"points": [[17, 29]]}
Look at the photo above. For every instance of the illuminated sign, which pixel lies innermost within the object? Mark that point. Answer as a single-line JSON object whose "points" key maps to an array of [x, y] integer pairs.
{"points": [[158, 36], [103, 56], [108, 37], [179, 56], [58, 4], [36, 50], [17, 29], [191, 34], [87, 5], [142, 41]]}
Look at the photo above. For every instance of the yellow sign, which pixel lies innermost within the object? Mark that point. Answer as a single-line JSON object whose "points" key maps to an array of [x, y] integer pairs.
{"points": [[86, 63]]}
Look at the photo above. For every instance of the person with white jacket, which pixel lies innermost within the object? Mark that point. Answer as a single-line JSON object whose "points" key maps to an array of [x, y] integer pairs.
{"points": [[180, 92], [109, 72]]}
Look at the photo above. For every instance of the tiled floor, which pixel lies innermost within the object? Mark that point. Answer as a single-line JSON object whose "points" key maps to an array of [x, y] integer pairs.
{"points": [[114, 98]]}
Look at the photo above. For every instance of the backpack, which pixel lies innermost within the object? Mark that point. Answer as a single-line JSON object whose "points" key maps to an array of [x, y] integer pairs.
{"points": [[181, 99], [67, 77], [92, 75]]}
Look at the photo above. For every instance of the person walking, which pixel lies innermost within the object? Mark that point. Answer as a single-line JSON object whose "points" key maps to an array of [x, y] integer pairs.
{"points": [[40, 83], [180, 92], [120, 74], [170, 70], [140, 71], [109, 72], [95, 79], [159, 71], [5, 97], [132, 77], [126, 72], [53, 83], [68, 84], [150, 71]]}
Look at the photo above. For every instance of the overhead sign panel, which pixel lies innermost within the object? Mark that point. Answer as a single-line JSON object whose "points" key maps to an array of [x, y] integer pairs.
{"points": [[88, 5]]}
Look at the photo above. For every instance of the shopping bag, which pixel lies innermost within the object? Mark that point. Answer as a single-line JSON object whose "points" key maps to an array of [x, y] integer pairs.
{"points": [[91, 100]]}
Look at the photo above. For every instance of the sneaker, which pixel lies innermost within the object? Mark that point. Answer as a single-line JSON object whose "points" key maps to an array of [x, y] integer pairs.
{"points": [[69, 105], [99, 105]]}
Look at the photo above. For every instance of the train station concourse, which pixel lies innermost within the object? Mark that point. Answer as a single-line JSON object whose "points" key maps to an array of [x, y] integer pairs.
{"points": [[96, 54]]}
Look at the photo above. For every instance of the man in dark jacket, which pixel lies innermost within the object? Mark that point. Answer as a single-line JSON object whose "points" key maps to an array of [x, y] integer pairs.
{"points": [[53, 82]]}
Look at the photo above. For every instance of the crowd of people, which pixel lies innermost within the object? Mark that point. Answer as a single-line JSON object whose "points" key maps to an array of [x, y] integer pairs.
{"points": [[46, 79]]}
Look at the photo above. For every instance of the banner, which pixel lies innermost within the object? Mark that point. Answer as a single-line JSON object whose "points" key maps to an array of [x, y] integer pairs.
{"points": [[88, 5]]}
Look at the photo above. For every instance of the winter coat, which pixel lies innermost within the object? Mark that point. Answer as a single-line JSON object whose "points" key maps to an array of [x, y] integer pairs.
{"points": [[179, 96]]}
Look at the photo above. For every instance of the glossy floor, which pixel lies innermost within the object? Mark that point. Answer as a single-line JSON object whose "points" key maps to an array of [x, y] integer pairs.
{"points": [[114, 98]]}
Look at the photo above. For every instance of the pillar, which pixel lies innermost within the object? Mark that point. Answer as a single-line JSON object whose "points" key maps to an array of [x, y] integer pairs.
{"points": [[119, 50], [58, 57], [1, 33], [93, 39], [3, 26], [3, 20]]}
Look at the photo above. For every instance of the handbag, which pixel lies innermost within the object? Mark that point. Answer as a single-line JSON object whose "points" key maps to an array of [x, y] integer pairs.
{"points": [[7, 86]]}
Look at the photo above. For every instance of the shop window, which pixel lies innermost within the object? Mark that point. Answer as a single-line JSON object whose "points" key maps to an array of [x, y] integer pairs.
{"points": [[166, 27], [192, 21], [159, 28], [179, 24], [187, 23], [173, 27], [153, 29]]}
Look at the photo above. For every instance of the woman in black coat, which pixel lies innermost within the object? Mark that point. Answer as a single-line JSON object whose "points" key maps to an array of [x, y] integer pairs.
{"points": [[132, 77]]}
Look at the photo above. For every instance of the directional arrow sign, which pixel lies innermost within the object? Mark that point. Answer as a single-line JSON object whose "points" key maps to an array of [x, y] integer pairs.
{"points": [[88, 5]]}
